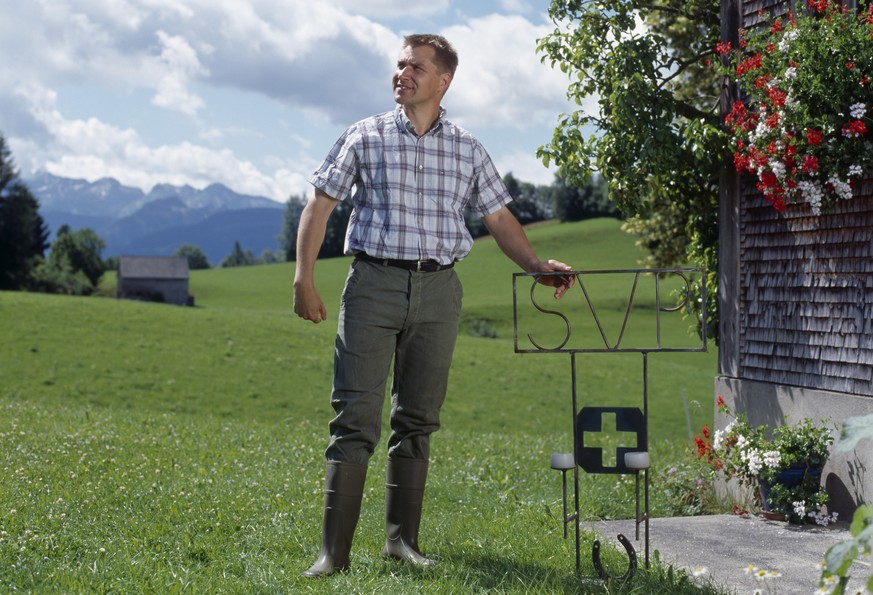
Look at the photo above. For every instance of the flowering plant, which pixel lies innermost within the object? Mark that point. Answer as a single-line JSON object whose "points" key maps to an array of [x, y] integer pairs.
{"points": [[744, 452], [805, 129]]}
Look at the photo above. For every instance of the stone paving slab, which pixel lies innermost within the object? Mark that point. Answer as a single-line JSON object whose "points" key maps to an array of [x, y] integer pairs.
{"points": [[727, 544]]}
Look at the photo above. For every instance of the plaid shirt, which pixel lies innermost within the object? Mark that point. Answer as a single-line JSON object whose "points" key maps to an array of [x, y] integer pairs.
{"points": [[410, 192]]}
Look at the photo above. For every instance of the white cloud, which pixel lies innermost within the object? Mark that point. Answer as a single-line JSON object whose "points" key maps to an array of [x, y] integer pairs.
{"points": [[326, 63], [394, 9], [91, 149], [525, 166], [182, 65], [500, 79]]}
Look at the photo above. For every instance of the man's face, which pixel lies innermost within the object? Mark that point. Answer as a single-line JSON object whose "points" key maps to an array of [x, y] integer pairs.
{"points": [[417, 80]]}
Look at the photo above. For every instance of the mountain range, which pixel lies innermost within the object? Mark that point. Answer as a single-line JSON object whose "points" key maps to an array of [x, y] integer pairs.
{"points": [[156, 223]]}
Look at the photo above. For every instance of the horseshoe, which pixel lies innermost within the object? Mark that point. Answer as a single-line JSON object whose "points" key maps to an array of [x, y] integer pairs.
{"points": [[631, 555]]}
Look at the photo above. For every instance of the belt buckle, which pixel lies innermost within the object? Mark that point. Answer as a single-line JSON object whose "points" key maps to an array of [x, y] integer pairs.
{"points": [[418, 265]]}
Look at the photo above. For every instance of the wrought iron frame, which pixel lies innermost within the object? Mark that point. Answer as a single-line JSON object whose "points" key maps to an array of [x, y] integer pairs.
{"points": [[658, 347]]}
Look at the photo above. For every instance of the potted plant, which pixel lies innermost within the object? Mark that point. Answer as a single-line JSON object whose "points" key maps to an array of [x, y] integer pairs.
{"points": [[783, 466], [804, 129]]}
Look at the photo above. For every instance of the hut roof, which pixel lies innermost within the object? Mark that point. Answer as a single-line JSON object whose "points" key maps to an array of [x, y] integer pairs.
{"points": [[153, 267]]}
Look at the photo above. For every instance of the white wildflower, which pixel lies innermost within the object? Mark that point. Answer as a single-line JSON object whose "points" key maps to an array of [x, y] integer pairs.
{"points": [[842, 189], [812, 193], [857, 110], [787, 37], [823, 519], [800, 508], [752, 459], [772, 458], [855, 170], [778, 169]]}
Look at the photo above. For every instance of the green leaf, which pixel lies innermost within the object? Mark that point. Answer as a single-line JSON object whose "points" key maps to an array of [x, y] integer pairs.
{"points": [[862, 521], [840, 557]]}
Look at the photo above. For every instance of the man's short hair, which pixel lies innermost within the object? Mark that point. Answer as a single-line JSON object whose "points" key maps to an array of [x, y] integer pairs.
{"points": [[446, 56]]}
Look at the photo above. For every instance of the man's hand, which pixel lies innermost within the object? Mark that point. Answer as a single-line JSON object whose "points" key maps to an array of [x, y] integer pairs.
{"points": [[310, 235], [308, 304], [561, 283]]}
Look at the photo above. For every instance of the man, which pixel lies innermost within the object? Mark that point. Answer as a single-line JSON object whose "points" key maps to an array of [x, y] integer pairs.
{"points": [[410, 174]]}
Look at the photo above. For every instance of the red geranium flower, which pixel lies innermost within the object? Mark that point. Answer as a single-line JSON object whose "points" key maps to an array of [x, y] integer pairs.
{"points": [[814, 137], [809, 164], [749, 64], [777, 96], [722, 48], [855, 128]]}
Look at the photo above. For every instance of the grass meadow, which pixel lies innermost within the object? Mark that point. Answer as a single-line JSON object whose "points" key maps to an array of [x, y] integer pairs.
{"points": [[147, 448]]}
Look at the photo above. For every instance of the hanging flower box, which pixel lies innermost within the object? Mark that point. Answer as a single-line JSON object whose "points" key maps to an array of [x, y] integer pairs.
{"points": [[805, 130]]}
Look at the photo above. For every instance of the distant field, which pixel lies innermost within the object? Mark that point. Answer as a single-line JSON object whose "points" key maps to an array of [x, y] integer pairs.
{"points": [[154, 448]]}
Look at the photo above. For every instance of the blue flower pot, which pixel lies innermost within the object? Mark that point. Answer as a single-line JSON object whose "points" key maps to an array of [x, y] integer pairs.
{"points": [[790, 478]]}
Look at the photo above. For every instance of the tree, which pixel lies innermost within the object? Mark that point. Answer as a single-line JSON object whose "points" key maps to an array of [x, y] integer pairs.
{"points": [[74, 265], [80, 251], [238, 258], [268, 256], [290, 222], [23, 233], [196, 257], [658, 138], [572, 203], [529, 202], [334, 236]]}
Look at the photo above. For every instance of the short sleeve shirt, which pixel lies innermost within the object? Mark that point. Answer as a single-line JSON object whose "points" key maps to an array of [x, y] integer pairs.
{"points": [[410, 192]]}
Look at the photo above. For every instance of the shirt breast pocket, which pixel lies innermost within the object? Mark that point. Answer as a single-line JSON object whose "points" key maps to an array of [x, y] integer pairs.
{"points": [[456, 180]]}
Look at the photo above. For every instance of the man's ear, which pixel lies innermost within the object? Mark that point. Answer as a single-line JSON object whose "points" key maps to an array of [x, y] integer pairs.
{"points": [[446, 80]]}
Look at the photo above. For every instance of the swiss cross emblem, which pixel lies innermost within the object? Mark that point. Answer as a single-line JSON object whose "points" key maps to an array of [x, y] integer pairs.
{"points": [[601, 443]]}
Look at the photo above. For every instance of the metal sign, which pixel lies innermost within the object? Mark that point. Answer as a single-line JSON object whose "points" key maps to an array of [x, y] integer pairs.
{"points": [[642, 295]]}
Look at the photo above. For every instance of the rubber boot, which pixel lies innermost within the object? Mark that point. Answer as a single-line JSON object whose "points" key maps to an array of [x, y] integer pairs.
{"points": [[343, 490], [404, 495]]}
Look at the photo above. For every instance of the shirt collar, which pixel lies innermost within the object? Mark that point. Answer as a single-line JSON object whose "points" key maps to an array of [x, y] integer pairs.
{"points": [[404, 123]]}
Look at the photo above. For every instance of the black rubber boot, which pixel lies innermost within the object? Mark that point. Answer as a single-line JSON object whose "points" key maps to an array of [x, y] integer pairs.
{"points": [[343, 489], [404, 495]]}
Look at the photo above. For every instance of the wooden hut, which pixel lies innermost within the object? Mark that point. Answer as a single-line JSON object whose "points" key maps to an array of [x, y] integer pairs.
{"points": [[154, 279], [796, 306]]}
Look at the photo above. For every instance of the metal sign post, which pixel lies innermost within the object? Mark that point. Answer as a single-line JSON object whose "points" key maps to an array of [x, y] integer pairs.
{"points": [[632, 457]]}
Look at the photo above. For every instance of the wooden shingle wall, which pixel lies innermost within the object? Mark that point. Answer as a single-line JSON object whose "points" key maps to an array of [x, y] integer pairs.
{"points": [[806, 294]]}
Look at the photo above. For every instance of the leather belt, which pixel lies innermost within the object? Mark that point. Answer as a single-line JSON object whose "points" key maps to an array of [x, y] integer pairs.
{"points": [[419, 266]]}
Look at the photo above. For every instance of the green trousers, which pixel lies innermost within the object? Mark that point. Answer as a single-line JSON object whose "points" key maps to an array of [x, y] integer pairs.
{"points": [[392, 314]]}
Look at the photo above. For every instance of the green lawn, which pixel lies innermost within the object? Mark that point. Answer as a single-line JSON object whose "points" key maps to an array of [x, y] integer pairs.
{"points": [[152, 448]]}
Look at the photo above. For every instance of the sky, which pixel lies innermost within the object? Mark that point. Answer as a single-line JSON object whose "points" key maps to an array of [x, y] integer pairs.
{"points": [[253, 93]]}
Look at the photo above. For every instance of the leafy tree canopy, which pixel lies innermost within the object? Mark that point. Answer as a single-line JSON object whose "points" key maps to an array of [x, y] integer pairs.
{"points": [[655, 134], [195, 255], [80, 251], [238, 258], [23, 233]]}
